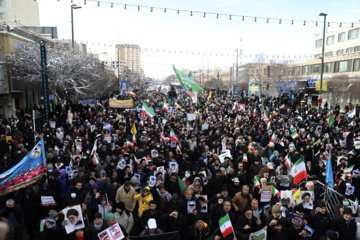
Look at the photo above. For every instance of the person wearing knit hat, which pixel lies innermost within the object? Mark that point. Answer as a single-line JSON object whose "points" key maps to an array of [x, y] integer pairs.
{"points": [[124, 217], [345, 225], [319, 220]]}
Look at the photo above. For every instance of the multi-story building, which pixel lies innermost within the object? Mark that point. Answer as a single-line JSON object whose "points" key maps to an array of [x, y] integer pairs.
{"points": [[19, 12], [131, 55]]}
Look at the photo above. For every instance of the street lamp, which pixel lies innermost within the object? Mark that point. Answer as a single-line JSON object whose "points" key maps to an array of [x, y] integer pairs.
{"points": [[236, 73], [322, 57], [73, 6]]}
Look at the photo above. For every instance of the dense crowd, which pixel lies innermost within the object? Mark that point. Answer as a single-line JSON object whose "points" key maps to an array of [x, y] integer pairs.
{"points": [[158, 185]]}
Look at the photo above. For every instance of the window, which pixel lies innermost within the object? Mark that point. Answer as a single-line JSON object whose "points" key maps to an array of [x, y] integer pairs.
{"points": [[315, 68], [305, 69], [329, 54], [330, 40], [1, 3], [318, 43], [343, 66], [297, 70], [357, 64], [340, 52], [349, 50], [357, 49], [354, 33], [327, 67], [341, 37], [2, 15]]}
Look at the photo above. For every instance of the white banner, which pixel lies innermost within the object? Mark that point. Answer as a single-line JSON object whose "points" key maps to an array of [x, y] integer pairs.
{"points": [[259, 235], [48, 201]]}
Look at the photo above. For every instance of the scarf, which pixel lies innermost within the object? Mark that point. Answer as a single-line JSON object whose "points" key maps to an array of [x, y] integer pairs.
{"points": [[97, 227], [166, 194]]}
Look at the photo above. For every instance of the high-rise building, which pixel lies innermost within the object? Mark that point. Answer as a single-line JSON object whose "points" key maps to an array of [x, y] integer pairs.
{"points": [[131, 55], [20, 12]]}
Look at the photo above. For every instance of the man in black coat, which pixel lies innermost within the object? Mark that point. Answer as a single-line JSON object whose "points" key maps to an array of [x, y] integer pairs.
{"points": [[172, 184], [215, 183], [345, 225], [220, 209], [319, 220], [175, 221], [247, 223], [152, 212]]}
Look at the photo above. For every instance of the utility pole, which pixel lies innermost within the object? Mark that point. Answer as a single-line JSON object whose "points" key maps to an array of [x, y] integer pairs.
{"points": [[322, 60], [73, 6], [119, 63]]}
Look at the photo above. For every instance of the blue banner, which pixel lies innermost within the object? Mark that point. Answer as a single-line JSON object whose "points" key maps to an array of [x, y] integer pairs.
{"points": [[26, 172]]}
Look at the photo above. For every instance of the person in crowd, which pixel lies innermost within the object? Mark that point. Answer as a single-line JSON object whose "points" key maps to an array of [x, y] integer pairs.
{"points": [[151, 228], [124, 217], [126, 194], [98, 225]]}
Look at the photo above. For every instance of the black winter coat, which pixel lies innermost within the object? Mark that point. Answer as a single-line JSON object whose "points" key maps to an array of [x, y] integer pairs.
{"points": [[346, 231]]}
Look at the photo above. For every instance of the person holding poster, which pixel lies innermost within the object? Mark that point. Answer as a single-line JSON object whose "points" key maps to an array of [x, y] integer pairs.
{"points": [[97, 226]]}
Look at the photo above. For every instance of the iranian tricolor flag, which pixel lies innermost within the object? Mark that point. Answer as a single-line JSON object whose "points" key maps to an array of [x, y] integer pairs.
{"points": [[274, 191], [257, 183], [345, 134], [164, 121], [234, 107], [93, 151], [294, 135], [298, 171], [96, 159], [225, 226], [129, 144], [254, 112], [357, 144], [273, 138], [287, 161], [42, 225], [352, 152], [134, 139], [166, 107], [173, 136], [132, 94], [282, 106], [269, 124], [147, 111], [245, 159], [347, 171]]}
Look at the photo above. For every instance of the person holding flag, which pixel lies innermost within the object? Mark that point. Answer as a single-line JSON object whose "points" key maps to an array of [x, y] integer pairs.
{"points": [[226, 231]]}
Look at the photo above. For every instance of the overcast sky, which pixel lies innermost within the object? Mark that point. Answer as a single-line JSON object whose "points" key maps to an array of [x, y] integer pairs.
{"points": [[180, 32]]}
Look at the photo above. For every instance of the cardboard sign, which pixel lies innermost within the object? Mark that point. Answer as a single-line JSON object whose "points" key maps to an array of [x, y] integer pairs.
{"points": [[265, 194], [112, 233], [121, 103], [52, 124], [48, 201]]}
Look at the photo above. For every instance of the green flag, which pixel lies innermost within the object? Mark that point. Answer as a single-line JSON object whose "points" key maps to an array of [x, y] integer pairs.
{"points": [[182, 185], [198, 102], [331, 120], [187, 82]]}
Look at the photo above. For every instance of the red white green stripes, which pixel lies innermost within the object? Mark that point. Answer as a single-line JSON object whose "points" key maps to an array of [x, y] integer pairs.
{"points": [[287, 161], [225, 226], [298, 171], [173, 136], [147, 111]]}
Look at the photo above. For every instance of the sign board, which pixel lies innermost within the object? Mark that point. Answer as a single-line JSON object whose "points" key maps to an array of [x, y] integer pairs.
{"points": [[289, 86], [121, 103], [254, 88], [324, 86]]}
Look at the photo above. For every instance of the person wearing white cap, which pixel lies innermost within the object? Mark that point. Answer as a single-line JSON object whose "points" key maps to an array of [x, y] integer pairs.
{"points": [[152, 228]]}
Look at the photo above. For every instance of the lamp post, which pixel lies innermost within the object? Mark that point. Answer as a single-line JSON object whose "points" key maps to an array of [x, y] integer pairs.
{"points": [[73, 6], [322, 59], [237, 67]]}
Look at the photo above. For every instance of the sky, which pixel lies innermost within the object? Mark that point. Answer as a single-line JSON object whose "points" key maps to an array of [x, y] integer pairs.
{"points": [[102, 26]]}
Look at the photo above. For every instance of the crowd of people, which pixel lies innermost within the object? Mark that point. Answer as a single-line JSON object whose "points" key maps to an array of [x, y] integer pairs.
{"points": [[170, 174]]}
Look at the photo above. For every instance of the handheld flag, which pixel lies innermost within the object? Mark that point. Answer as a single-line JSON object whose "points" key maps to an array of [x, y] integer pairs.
{"points": [[133, 129], [173, 136], [298, 170], [225, 226], [147, 111], [296, 196], [329, 173]]}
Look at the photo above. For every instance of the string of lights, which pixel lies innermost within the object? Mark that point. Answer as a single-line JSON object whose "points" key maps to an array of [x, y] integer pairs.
{"points": [[244, 18]]}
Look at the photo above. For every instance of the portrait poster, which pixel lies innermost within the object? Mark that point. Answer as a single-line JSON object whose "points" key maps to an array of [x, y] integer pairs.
{"points": [[73, 218]]}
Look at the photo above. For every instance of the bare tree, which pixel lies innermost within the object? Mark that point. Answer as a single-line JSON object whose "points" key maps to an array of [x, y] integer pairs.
{"points": [[69, 71], [338, 88]]}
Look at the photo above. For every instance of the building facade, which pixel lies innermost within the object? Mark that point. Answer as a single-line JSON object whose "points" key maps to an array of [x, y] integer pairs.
{"points": [[131, 55], [19, 12]]}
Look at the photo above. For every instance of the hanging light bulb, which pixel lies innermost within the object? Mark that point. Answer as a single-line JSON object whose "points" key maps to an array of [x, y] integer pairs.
{"points": [[72, 1], [165, 10], [178, 12], [98, 3], [304, 23], [280, 21], [230, 17], [217, 15], [316, 24], [255, 19], [204, 15], [84, 2], [328, 24], [267, 21], [151, 9], [352, 25], [292, 22], [243, 18], [191, 14], [125, 7], [138, 8], [340, 25], [112, 5]]}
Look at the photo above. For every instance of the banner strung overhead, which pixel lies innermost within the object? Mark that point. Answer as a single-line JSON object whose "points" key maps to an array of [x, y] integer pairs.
{"points": [[121, 103], [26, 172]]}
